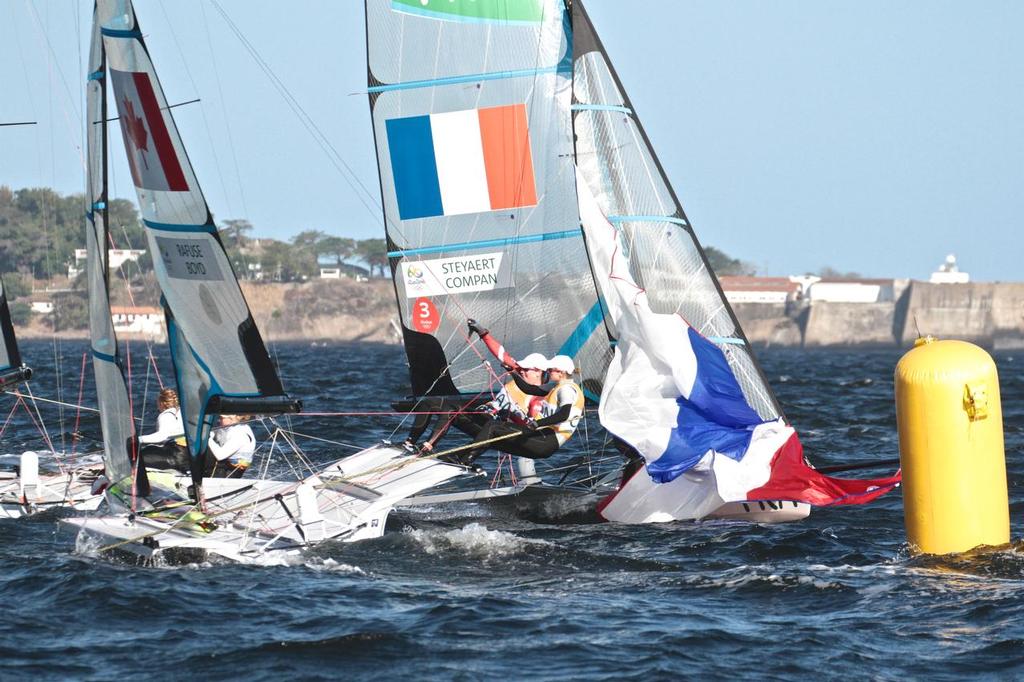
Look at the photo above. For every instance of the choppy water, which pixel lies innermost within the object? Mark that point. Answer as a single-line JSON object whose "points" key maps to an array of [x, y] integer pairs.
{"points": [[467, 594]]}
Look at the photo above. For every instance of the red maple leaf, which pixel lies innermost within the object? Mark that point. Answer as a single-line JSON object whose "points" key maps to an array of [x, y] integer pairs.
{"points": [[135, 127]]}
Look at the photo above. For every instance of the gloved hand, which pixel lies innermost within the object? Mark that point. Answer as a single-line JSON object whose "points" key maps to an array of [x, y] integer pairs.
{"points": [[475, 328], [530, 424], [485, 408]]}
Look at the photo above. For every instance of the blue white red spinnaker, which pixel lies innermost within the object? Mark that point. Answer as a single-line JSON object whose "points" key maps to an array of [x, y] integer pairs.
{"points": [[671, 394]]}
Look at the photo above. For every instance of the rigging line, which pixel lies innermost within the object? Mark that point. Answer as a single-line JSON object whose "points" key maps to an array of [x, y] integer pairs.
{"points": [[366, 198], [53, 63], [41, 426], [167, 108], [19, 123], [37, 399], [324, 440], [78, 412]]}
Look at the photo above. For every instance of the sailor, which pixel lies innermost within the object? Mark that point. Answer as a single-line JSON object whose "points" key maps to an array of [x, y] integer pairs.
{"points": [[232, 447], [561, 411], [519, 400], [165, 448]]}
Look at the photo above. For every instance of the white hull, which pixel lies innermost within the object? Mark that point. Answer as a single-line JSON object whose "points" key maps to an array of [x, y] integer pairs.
{"points": [[537, 491], [256, 521], [48, 491]]}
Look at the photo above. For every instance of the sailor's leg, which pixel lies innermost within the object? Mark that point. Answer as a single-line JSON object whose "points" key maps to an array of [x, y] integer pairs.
{"points": [[532, 445], [165, 456]]}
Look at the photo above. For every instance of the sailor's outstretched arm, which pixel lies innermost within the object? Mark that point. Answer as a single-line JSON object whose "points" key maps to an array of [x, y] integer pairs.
{"points": [[493, 345]]}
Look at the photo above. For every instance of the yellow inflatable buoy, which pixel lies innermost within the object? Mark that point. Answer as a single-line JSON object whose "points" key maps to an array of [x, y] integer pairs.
{"points": [[951, 447]]}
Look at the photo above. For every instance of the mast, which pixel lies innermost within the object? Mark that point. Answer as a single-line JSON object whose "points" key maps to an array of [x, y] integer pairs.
{"points": [[624, 174], [120, 451], [220, 361], [470, 108]]}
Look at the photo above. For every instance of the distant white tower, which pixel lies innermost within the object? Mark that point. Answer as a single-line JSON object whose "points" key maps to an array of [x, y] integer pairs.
{"points": [[949, 273]]}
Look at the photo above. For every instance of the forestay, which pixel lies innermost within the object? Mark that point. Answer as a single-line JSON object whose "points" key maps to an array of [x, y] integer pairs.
{"points": [[221, 362], [470, 102], [120, 446]]}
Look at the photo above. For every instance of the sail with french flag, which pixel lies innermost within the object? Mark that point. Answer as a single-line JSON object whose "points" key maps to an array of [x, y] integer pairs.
{"points": [[461, 162], [671, 395]]}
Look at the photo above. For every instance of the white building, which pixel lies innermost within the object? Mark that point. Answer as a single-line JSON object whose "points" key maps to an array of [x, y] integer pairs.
{"points": [[949, 273], [852, 291], [145, 321], [330, 273], [744, 289], [115, 259]]}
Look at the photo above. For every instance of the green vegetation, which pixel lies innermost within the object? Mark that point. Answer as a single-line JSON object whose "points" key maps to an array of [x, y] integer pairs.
{"points": [[724, 265], [40, 230]]}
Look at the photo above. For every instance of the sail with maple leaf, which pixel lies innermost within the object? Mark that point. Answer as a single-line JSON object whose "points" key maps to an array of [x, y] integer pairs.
{"points": [[221, 363]]}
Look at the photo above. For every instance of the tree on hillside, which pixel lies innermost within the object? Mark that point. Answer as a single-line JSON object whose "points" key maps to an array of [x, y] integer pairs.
{"points": [[40, 230], [234, 235], [282, 262], [338, 248], [722, 264], [305, 250], [373, 252]]}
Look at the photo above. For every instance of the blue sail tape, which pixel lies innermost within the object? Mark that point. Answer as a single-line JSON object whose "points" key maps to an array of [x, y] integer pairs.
{"points": [[591, 321], [170, 227], [96, 76], [728, 340], [487, 243], [99, 205], [614, 219], [103, 356], [120, 32], [602, 107], [469, 78]]}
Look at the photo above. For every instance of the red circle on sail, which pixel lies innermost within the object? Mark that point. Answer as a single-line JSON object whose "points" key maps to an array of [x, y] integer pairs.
{"points": [[424, 316]]}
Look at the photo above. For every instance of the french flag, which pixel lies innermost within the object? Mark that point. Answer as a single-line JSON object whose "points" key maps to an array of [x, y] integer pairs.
{"points": [[461, 162], [672, 395], [154, 162]]}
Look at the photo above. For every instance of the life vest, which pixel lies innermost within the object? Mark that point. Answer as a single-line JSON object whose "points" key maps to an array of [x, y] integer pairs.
{"points": [[564, 430]]}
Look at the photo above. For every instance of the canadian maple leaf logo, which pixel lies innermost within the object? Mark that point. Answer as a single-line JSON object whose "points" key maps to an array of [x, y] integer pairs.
{"points": [[135, 126]]}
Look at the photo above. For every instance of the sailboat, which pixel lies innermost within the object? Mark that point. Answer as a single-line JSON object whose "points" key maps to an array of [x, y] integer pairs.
{"points": [[505, 143], [27, 489], [221, 364]]}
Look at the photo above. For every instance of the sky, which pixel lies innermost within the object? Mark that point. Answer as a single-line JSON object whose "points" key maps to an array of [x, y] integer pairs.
{"points": [[874, 137]]}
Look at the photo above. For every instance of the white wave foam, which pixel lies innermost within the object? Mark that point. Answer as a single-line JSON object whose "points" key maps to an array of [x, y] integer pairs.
{"points": [[330, 565], [474, 540]]}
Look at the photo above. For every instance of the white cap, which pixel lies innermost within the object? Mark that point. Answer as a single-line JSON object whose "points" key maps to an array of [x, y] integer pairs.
{"points": [[562, 362], [534, 361]]}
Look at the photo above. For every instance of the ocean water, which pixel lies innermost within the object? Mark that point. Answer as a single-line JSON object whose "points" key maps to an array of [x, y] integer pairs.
{"points": [[467, 592]]}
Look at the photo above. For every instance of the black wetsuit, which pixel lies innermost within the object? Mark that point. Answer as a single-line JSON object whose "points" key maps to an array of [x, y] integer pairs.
{"points": [[166, 455]]}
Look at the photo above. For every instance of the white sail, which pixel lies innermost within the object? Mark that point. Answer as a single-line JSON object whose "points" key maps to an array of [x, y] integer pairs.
{"points": [[120, 445], [470, 107], [221, 363]]}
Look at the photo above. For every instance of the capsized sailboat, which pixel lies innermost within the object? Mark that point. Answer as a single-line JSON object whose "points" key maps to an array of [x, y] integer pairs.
{"points": [[221, 364], [501, 127]]}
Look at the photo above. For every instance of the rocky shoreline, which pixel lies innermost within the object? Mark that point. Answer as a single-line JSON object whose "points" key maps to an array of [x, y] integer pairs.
{"points": [[989, 314]]}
